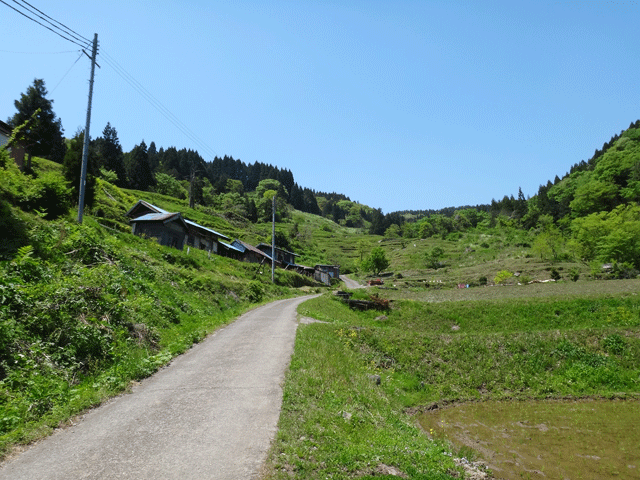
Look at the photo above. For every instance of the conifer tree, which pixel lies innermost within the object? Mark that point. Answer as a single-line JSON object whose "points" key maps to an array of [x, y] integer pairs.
{"points": [[44, 136], [109, 153], [138, 168]]}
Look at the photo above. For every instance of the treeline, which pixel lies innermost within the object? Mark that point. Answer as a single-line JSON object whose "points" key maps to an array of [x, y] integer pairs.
{"points": [[592, 214]]}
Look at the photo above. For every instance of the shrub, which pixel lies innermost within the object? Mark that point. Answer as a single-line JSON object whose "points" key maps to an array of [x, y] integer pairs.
{"points": [[502, 276], [482, 280], [574, 274], [555, 275]]}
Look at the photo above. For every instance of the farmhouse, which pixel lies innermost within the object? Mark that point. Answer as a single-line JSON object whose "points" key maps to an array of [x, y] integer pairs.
{"points": [[17, 152], [282, 256], [324, 273], [250, 253], [169, 229], [5, 133], [196, 236]]}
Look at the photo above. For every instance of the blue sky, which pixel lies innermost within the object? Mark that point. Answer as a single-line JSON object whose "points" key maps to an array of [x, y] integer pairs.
{"points": [[398, 105]]}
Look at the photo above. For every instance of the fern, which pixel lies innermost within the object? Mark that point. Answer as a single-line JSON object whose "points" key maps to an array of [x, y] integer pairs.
{"points": [[23, 254]]}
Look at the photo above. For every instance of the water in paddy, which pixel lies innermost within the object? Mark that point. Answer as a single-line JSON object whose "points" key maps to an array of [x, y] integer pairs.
{"points": [[559, 439]]}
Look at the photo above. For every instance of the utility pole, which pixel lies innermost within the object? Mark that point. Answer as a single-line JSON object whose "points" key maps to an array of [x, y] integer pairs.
{"points": [[85, 148], [273, 235]]}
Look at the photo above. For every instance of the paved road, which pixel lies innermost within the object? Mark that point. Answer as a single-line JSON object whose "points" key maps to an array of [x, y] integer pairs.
{"points": [[351, 284], [211, 414]]}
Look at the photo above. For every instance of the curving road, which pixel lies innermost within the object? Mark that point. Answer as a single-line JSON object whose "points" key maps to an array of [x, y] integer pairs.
{"points": [[210, 414], [350, 284]]}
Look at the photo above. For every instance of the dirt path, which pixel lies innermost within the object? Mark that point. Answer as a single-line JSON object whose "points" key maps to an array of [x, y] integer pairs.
{"points": [[210, 414]]}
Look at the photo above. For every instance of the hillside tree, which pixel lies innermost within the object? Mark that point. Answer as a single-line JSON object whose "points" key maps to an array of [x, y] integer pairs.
{"points": [[376, 262], [138, 168], [72, 168], [43, 137], [109, 154]]}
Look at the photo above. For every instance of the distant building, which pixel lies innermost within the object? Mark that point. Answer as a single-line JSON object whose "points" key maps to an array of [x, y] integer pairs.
{"points": [[168, 229], [250, 253], [5, 133], [285, 257], [17, 152], [196, 236], [324, 273]]}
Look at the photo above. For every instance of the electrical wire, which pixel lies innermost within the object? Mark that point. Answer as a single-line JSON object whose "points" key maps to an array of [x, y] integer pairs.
{"points": [[41, 24], [127, 77], [79, 56], [38, 53], [67, 28], [164, 111]]}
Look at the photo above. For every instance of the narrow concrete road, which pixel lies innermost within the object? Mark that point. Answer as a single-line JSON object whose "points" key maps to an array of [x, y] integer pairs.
{"points": [[211, 414], [350, 284]]}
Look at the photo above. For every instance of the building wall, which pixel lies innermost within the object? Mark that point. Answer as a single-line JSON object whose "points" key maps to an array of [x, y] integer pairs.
{"points": [[169, 234]]}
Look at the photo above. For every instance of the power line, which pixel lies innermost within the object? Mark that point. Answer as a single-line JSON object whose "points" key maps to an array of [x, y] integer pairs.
{"points": [[70, 30], [164, 111], [41, 24], [38, 53], [63, 77]]}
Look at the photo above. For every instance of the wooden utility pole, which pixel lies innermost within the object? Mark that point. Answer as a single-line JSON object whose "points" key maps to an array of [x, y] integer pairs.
{"points": [[85, 148]]}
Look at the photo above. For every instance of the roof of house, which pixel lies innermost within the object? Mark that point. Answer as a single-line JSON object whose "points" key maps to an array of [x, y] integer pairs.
{"points": [[251, 248], [160, 217], [200, 227], [6, 129], [231, 247], [278, 248], [141, 204]]}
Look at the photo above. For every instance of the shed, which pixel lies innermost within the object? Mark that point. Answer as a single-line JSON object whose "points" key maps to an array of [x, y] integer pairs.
{"points": [[283, 256], [17, 152], [169, 229], [230, 251], [324, 273], [198, 236], [250, 253]]}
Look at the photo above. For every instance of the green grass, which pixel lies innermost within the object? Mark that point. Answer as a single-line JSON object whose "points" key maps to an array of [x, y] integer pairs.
{"points": [[533, 348], [86, 310], [337, 423]]}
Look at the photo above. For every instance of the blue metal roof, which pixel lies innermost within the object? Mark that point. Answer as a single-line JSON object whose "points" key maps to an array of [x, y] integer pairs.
{"points": [[152, 217], [232, 247], [194, 224]]}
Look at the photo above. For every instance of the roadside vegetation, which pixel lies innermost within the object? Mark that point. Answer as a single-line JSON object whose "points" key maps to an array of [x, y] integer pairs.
{"points": [[522, 298], [87, 309]]}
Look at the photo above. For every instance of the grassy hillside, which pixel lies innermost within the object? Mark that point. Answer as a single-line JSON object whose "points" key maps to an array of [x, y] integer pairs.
{"points": [[87, 309]]}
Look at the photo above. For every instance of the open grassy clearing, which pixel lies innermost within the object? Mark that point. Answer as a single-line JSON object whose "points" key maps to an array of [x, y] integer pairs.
{"points": [[560, 346]]}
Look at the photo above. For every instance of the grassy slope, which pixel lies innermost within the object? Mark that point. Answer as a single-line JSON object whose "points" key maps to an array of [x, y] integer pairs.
{"points": [[85, 310]]}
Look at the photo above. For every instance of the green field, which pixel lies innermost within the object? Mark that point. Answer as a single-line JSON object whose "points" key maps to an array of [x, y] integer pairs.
{"points": [[559, 341]]}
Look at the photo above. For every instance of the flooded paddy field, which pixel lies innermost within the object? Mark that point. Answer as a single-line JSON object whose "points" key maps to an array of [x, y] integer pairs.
{"points": [[546, 439]]}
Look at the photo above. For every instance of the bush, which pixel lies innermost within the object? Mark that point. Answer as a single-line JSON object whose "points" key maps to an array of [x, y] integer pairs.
{"points": [[51, 194], [574, 274], [555, 275], [502, 277], [482, 280]]}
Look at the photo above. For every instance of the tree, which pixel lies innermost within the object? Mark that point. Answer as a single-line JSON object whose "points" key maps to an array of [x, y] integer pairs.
{"points": [[376, 262], [109, 154], [432, 258], [43, 138], [138, 168]]}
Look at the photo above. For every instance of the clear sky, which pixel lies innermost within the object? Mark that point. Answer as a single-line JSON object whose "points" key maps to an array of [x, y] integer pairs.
{"points": [[396, 104]]}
